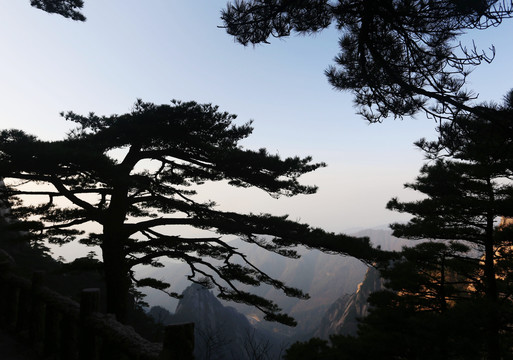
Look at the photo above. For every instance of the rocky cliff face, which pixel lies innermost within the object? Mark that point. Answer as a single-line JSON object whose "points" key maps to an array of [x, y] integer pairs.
{"points": [[220, 331], [325, 277], [342, 317]]}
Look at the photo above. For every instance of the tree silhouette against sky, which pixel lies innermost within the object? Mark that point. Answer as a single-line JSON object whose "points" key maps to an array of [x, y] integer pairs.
{"points": [[397, 57], [136, 176]]}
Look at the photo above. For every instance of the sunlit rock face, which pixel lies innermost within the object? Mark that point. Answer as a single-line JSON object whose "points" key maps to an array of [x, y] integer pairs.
{"points": [[506, 221], [342, 317]]}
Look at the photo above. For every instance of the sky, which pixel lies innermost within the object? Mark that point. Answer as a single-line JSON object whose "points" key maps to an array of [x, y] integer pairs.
{"points": [[161, 50]]}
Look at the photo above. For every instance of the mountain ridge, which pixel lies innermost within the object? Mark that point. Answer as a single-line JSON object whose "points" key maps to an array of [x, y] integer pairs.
{"points": [[325, 277]]}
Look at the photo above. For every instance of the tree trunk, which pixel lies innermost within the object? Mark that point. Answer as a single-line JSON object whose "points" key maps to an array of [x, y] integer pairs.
{"points": [[491, 295], [117, 271], [117, 278]]}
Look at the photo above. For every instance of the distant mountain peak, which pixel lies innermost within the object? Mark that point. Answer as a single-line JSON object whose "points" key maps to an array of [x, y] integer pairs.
{"points": [[220, 331]]}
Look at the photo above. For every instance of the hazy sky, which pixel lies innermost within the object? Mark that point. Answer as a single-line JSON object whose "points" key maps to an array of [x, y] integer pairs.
{"points": [[160, 50]]}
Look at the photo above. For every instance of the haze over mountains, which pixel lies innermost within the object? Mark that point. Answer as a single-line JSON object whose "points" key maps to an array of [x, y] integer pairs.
{"points": [[331, 281]]}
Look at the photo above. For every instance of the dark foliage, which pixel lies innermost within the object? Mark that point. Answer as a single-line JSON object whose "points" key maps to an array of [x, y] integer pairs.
{"points": [[468, 187], [448, 297], [395, 56], [162, 152], [67, 8]]}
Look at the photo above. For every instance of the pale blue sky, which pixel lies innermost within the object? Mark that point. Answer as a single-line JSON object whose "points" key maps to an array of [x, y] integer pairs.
{"points": [[160, 50]]}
